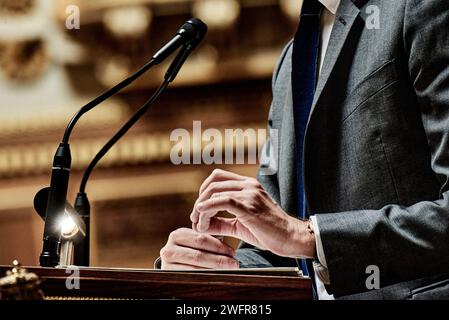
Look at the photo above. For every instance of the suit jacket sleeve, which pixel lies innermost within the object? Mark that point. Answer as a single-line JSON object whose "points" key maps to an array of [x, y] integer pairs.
{"points": [[403, 242]]}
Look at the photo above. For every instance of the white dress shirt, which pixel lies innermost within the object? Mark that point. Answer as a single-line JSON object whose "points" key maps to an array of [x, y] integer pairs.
{"points": [[327, 22]]}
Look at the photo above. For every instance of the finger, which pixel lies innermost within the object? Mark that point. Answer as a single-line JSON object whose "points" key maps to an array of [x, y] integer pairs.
{"points": [[221, 186], [231, 227], [239, 195], [211, 207], [199, 258], [226, 227], [216, 236], [194, 213], [214, 188], [220, 175], [205, 242]]}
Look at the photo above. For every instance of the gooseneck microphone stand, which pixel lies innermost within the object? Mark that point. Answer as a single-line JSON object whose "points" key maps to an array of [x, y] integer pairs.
{"points": [[82, 205], [59, 183], [57, 193], [53, 199], [82, 202]]}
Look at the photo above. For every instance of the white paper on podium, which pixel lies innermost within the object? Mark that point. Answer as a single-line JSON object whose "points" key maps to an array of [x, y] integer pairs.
{"points": [[280, 272]]}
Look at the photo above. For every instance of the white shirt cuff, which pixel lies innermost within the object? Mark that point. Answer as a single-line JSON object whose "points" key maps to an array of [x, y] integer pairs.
{"points": [[320, 266], [319, 244]]}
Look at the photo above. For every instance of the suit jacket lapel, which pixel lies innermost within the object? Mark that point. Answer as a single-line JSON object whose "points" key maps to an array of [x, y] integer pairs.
{"points": [[345, 18], [347, 12], [287, 154]]}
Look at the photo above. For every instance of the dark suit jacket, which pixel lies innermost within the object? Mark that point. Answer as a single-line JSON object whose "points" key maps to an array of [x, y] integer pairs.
{"points": [[376, 154]]}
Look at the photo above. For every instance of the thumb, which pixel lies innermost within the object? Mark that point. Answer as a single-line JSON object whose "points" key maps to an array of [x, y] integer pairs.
{"points": [[223, 227], [231, 227]]}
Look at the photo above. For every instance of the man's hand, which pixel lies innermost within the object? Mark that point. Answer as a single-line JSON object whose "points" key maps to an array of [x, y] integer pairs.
{"points": [[188, 249], [258, 220]]}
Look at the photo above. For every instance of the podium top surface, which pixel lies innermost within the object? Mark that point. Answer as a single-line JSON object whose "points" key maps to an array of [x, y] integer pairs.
{"points": [[118, 283]]}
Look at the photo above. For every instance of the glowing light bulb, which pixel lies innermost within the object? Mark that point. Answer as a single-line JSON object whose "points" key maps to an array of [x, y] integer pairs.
{"points": [[68, 226]]}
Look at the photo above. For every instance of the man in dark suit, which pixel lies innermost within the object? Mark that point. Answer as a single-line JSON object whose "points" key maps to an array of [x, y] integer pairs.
{"points": [[362, 179]]}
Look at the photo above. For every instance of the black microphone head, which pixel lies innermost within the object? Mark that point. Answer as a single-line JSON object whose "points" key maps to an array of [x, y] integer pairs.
{"points": [[193, 31]]}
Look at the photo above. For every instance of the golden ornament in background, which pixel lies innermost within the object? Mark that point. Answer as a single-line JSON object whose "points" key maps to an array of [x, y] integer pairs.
{"points": [[19, 284], [23, 61], [16, 6]]}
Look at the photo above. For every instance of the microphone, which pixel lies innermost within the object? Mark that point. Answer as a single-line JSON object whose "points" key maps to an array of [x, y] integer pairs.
{"points": [[56, 200], [189, 36], [191, 32]]}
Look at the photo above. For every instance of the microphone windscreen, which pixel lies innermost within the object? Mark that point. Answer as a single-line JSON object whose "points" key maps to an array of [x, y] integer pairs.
{"points": [[194, 31], [40, 202]]}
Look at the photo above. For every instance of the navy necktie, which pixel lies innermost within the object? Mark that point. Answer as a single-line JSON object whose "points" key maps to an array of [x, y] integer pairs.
{"points": [[304, 78]]}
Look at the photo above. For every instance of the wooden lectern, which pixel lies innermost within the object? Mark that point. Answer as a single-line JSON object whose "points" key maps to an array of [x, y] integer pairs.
{"points": [[101, 283]]}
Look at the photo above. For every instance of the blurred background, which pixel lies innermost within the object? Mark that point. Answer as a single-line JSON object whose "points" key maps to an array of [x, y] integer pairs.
{"points": [[48, 71]]}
